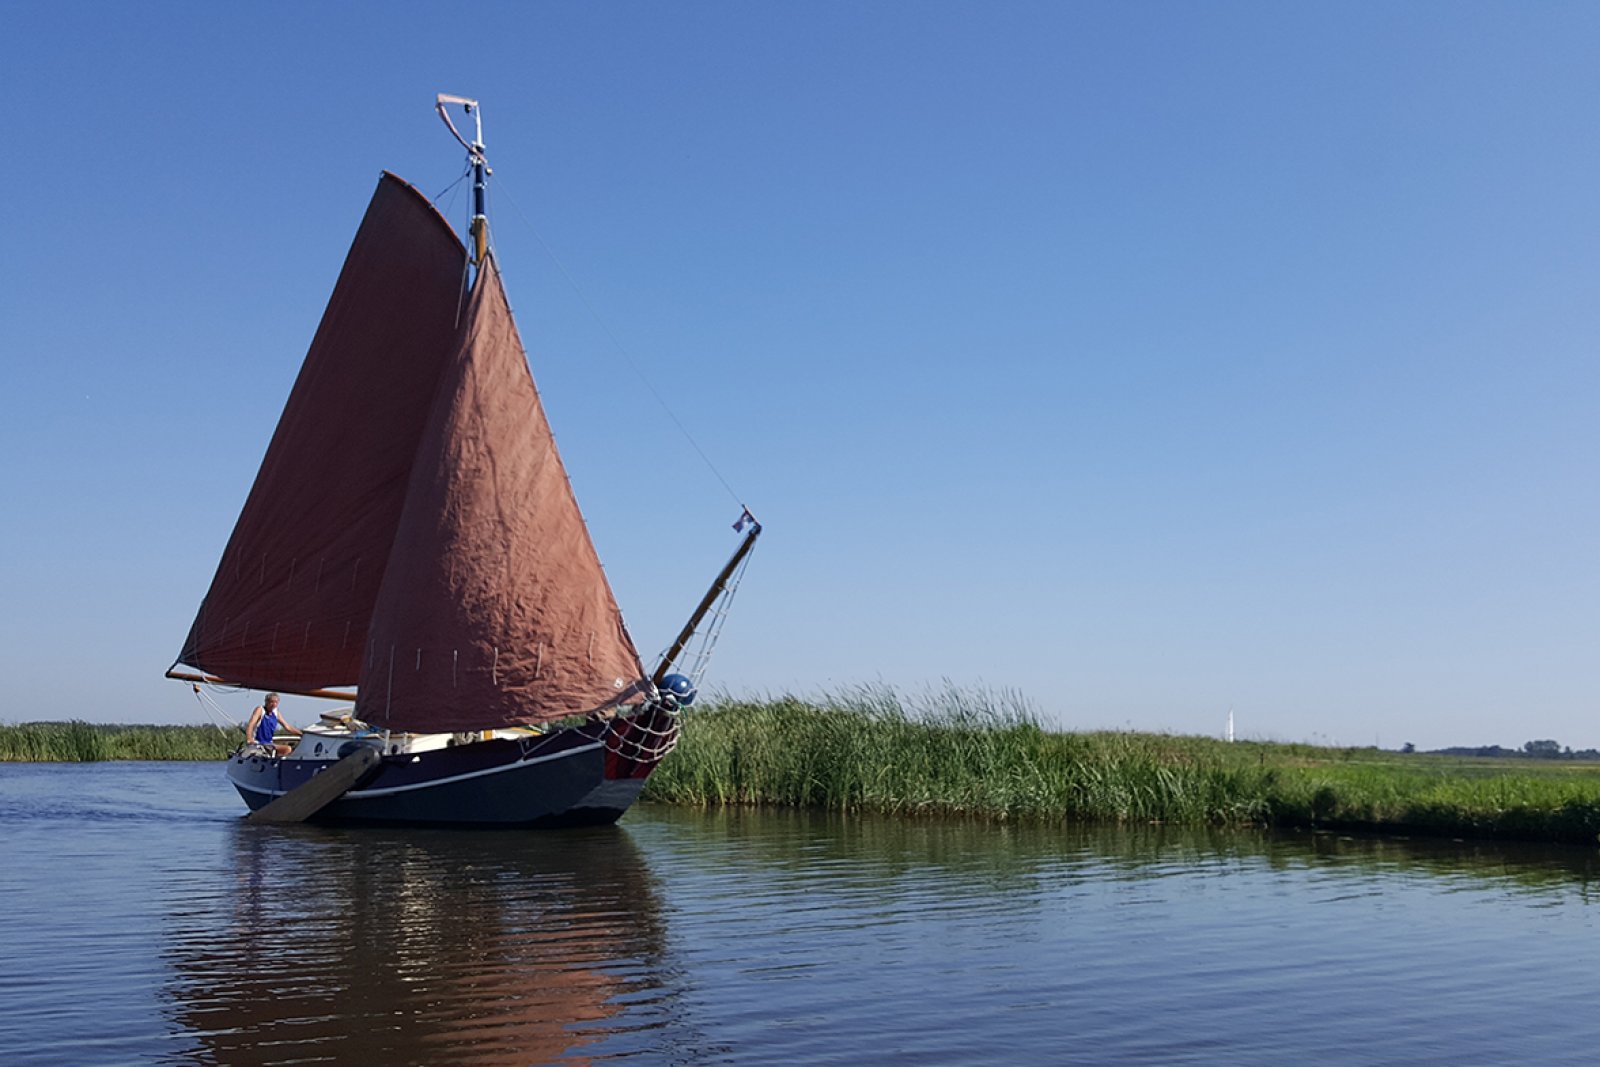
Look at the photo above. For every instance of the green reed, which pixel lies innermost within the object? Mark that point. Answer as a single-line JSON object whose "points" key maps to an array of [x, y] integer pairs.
{"points": [[975, 753], [83, 742], [984, 754]]}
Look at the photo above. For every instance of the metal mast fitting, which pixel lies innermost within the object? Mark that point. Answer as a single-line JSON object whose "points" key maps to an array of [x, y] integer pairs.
{"points": [[478, 230]]}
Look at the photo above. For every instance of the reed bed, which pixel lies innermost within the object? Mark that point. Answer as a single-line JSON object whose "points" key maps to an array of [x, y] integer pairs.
{"points": [[985, 755], [83, 742]]}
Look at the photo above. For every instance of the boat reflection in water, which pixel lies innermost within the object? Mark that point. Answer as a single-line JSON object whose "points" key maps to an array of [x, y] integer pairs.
{"points": [[418, 947]]}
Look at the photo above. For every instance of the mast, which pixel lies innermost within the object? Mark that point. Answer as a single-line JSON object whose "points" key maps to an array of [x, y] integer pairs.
{"points": [[478, 229]]}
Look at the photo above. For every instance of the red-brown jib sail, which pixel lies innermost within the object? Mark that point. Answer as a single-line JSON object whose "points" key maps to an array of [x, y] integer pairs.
{"points": [[494, 609]]}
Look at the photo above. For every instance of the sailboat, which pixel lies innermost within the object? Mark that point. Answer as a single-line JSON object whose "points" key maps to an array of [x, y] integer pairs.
{"points": [[411, 532]]}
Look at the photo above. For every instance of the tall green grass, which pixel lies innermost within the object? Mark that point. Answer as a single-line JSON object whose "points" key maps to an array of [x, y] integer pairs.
{"points": [[985, 754], [83, 742]]}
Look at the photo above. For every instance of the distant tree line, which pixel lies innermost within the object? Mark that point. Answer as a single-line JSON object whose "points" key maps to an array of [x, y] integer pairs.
{"points": [[1543, 749]]}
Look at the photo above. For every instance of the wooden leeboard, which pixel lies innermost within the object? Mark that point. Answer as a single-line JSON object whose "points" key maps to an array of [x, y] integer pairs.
{"points": [[324, 788]]}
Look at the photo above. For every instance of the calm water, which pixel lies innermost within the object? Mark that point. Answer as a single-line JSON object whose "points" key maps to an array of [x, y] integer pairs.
{"points": [[143, 922]]}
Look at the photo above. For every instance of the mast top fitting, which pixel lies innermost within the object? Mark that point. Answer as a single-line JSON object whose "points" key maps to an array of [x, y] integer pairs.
{"points": [[478, 230]]}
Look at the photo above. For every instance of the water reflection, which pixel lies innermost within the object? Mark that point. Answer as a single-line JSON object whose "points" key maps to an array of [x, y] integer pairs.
{"points": [[1569, 870], [972, 856], [412, 947], [922, 941], [758, 937]]}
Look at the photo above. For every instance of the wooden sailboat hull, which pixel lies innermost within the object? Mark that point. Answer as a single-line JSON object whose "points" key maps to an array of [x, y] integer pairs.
{"points": [[573, 777]]}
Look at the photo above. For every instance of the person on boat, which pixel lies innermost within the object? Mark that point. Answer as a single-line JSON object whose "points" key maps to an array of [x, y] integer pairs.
{"points": [[265, 724]]}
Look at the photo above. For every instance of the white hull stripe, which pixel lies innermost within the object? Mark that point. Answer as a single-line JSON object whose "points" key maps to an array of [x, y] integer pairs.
{"points": [[364, 794]]}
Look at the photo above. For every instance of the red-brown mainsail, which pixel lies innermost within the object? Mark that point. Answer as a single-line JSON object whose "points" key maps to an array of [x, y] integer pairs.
{"points": [[290, 602], [411, 528]]}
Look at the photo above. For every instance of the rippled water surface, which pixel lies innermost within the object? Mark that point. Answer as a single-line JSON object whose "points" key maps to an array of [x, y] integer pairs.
{"points": [[143, 921]]}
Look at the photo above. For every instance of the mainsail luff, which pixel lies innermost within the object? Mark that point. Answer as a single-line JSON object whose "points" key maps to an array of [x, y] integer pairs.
{"points": [[293, 593], [494, 608]]}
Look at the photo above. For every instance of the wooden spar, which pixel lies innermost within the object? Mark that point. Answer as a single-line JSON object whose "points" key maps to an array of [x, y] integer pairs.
{"points": [[716, 590], [211, 679], [324, 787]]}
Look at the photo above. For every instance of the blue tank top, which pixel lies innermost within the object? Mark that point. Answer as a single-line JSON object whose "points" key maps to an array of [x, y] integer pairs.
{"points": [[266, 728]]}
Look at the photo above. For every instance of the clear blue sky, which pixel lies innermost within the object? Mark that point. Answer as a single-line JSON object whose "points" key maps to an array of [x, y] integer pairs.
{"points": [[1148, 359]]}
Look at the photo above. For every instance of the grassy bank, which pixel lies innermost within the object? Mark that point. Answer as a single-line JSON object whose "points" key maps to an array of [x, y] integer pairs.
{"points": [[83, 742], [983, 755]]}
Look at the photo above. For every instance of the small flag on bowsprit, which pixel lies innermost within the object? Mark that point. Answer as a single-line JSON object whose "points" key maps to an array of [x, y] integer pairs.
{"points": [[745, 519]]}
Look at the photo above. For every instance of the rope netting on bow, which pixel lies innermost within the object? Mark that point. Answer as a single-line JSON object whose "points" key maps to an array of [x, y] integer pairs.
{"points": [[645, 737]]}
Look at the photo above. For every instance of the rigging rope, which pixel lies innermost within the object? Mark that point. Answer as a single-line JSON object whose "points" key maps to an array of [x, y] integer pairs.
{"points": [[210, 706], [466, 261], [617, 344], [713, 633], [440, 195], [704, 640]]}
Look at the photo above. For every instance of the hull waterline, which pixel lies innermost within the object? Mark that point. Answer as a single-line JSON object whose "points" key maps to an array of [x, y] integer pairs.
{"points": [[582, 776]]}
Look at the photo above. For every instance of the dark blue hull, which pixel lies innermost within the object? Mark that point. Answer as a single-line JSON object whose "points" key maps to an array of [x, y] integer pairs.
{"points": [[570, 778]]}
